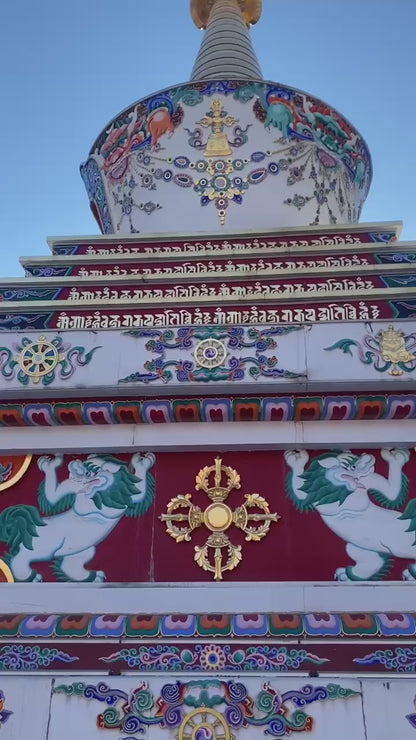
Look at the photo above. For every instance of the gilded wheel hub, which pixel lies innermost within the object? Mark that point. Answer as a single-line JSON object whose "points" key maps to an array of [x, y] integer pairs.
{"points": [[253, 517], [218, 517]]}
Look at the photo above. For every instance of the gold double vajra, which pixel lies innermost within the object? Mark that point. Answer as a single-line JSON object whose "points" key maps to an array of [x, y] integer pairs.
{"points": [[253, 517]]}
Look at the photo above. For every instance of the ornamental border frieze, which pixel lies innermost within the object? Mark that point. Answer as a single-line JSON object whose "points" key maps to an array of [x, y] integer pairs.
{"points": [[251, 288], [213, 292], [325, 642], [243, 296], [220, 409], [270, 656], [248, 643], [222, 248], [324, 626], [211, 270], [15, 320]]}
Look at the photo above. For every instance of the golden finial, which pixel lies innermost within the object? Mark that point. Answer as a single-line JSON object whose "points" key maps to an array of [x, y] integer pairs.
{"points": [[201, 9]]}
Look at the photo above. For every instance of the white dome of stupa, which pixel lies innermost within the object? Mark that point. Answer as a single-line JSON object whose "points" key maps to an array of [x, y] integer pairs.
{"points": [[227, 150]]}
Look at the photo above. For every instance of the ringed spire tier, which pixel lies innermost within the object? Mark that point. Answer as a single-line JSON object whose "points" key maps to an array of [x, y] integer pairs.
{"points": [[226, 50], [226, 151]]}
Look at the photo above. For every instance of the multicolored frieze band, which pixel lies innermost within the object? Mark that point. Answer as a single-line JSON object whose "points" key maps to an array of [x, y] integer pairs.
{"points": [[320, 625], [220, 409], [197, 657]]}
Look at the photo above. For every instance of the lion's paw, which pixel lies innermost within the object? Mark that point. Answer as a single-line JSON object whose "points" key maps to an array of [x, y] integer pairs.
{"points": [[408, 575], [341, 574], [401, 456], [296, 459], [143, 460], [99, 576], [46, 462]]}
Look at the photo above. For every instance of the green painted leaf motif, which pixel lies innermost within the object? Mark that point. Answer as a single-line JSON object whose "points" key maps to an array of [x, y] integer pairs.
{"points": [[344, 345]]}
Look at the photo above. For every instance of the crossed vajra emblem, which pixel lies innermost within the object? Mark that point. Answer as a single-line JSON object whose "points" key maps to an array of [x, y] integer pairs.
{"points": [[253, 517]]}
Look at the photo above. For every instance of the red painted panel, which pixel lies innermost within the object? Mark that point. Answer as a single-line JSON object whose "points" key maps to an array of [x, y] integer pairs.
{"points": [[300, 547]]}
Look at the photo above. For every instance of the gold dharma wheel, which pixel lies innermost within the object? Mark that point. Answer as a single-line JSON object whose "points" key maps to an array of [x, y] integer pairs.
{"points": [[204, 723], [210, 353], [38, 358]]}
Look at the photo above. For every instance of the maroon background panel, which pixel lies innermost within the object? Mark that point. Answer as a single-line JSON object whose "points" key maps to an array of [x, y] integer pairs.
{"points": [[272, 261], [213, 289], [300, 547], [338, 237], [76, 656]]}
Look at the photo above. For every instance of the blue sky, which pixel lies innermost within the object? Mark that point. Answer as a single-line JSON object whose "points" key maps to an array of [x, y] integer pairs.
{"points": [[69, 67]]}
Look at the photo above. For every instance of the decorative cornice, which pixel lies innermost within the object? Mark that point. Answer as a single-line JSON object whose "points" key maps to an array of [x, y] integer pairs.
{"points": [[325, 642], [222, 409], [322, 626]]}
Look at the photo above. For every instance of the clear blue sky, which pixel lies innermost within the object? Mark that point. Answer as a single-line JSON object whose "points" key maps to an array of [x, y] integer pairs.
{"points": [[68, 67]]}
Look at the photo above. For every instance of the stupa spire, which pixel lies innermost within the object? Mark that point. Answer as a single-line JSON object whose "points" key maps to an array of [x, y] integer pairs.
{"points": [[226, 50]]}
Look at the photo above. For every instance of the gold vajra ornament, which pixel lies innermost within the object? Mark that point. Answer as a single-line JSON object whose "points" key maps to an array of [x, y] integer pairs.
{"points": [[38, 359], [183, 517], [217, 144], [393, 349]]}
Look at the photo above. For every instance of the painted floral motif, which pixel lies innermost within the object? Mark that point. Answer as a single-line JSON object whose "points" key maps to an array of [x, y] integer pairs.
{"points": [[315, 144], [42, 360], [214, 657], [388, 350], [234, 368], [30, 658], [399, 659], [227, 703], [4, 713]]}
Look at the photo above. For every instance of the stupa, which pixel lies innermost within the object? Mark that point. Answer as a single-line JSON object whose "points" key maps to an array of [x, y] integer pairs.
{"points": [[207, 429]]}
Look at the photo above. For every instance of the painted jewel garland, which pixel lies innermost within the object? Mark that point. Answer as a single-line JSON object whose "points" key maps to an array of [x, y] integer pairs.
{"points": [[42, 360], [388, 350], [223, 706], [314, 143], [223, 341]]}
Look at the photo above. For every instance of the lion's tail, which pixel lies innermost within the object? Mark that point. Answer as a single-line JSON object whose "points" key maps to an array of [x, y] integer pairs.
{"points": [[18, 526]]}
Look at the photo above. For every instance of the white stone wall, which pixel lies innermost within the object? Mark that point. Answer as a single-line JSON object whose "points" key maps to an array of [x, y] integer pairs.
{"points": [[377, 711], [304, 358]]}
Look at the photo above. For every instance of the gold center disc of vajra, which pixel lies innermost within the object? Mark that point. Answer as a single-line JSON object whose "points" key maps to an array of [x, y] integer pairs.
{"points": [[218, 517]]}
